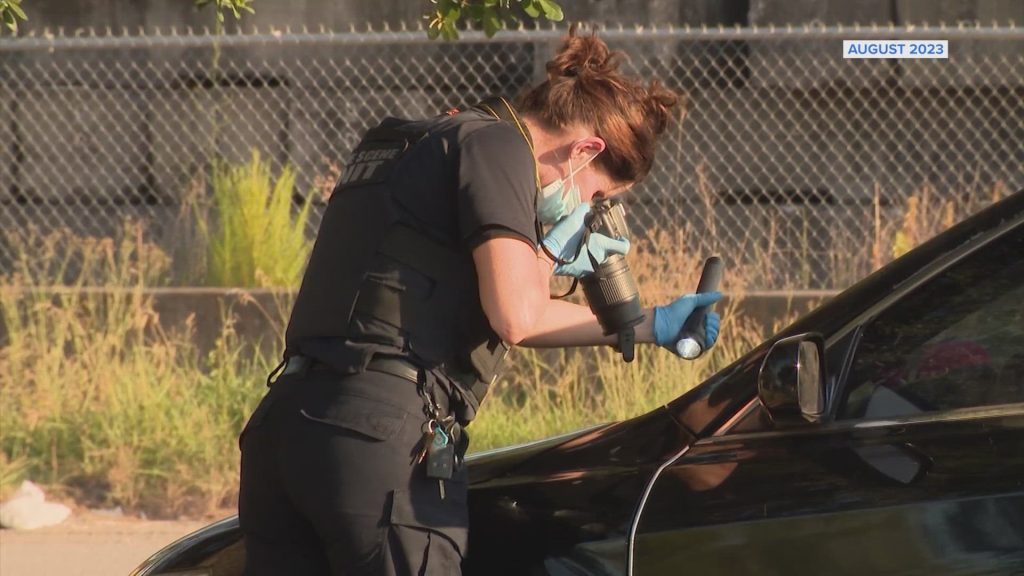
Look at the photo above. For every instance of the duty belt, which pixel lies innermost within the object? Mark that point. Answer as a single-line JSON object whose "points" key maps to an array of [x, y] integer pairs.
{"points": [[398, 367], [394, 366]]}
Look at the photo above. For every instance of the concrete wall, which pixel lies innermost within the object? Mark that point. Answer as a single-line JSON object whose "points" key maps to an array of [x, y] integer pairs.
{"points": [[341, 14], [132, 14], [71, 142], [963, 72]]}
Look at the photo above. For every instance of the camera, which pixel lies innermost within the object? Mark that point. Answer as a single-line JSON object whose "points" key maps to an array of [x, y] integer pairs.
{"points": [[611, 290]]}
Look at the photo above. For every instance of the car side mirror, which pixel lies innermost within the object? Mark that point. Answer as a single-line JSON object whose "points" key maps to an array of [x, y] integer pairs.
{"points": [[791, 381]]}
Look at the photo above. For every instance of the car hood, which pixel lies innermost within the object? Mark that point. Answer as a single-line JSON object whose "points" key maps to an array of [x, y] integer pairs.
{"points": [[490, 464]]}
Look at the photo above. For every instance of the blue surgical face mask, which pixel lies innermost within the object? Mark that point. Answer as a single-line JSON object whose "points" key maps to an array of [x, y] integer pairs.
{"points": [[556, 200]]}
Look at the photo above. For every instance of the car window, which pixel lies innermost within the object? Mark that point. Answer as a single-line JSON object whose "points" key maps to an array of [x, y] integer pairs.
{"points": [[955, 342]]}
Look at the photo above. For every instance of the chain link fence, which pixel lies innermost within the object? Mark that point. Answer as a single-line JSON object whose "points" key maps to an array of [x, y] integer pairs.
{"points": [[790, 157]]}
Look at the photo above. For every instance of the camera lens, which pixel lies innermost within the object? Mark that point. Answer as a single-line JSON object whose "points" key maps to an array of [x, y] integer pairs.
{"points": [[613, 295]]}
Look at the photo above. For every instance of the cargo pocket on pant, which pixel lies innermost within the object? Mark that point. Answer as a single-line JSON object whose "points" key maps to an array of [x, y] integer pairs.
{"points": [[426, 536], [371, 418]]}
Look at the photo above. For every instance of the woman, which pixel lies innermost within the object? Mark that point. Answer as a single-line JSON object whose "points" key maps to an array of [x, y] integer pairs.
{"points": [[430, 263]]}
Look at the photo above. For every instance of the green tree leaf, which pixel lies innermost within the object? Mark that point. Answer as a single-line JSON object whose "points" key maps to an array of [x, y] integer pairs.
{"points": [[492, 24], [17, 9], [552, 11], [448, 30], [490, 15], [531, 8], [10, 13], [453, 12], [235, 7]]}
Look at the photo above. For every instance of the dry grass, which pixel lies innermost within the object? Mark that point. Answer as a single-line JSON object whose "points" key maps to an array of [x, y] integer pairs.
{"points": [[102, 401], [105, 404]]}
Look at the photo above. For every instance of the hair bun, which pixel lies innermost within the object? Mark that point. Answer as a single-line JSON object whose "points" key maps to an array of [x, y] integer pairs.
{"points": [[585, 88], [658, 104], [582, 57]]}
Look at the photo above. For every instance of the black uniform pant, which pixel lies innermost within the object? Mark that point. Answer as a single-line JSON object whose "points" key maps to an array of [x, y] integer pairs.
{"points": [[329, 486]]}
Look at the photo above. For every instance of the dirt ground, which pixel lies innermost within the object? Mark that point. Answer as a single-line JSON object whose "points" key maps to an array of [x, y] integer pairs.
{"points": [[88, 544]]}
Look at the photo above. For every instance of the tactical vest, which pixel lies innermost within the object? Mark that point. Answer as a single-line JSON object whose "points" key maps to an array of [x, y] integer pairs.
{"points": [[377, 282]]}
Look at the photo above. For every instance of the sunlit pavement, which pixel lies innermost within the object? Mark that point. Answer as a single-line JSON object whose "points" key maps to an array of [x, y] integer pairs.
{"points": [[88, 544]]}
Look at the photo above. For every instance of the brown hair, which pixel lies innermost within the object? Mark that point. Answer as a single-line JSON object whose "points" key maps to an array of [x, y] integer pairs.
{"points": [[585, 87]]}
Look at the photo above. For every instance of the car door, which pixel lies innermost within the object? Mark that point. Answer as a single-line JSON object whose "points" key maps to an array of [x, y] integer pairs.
{"points": [[919, 470]]}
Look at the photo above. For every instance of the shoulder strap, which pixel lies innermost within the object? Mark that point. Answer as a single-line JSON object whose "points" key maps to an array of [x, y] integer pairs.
{"points": [[499, 108]]}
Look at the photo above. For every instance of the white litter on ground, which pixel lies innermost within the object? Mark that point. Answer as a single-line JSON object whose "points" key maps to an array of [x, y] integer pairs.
{"points": [[27, 509]]}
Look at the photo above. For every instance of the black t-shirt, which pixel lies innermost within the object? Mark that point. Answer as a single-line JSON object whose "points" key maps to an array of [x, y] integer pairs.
{"points": [[469, 179], [473, 177], [497, 186]]}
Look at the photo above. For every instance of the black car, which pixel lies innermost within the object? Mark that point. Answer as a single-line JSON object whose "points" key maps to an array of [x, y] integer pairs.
{"points": [[882, 433]]}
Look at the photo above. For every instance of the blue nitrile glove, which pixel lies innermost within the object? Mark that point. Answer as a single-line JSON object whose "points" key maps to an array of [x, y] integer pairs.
{"points": [[563, 240], [669, 319], [600, 247], [712, 321], [564, 236]]}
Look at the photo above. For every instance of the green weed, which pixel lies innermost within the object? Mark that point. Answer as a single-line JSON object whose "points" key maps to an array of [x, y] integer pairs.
{"points": [[255, 238]]}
